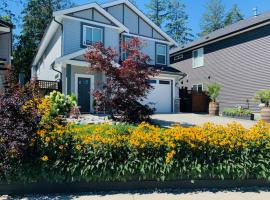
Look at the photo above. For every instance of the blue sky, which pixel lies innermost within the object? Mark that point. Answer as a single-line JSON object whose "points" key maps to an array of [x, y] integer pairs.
{"points": [[194, 8]]}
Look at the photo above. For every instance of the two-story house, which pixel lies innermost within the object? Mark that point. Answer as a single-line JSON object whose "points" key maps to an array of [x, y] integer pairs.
{"points": [[237, 57], [60, 55], [5, 50]]}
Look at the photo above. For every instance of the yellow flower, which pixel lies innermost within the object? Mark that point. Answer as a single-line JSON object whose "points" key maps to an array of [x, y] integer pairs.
{"points": [[78, 147], [61, 147], [44, 158], [47, 139], [170, 156]]}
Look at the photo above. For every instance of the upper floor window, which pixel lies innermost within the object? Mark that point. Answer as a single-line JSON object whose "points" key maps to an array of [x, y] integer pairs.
{"points": [[198, 58], [92, 35], [124, 53], [161, 54]]}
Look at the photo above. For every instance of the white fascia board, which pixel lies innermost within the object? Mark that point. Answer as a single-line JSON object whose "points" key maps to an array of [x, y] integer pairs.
{"points": [[88, 6], [45, 41], [71, 56], [146, 38], [4, 29], [143, 16]]}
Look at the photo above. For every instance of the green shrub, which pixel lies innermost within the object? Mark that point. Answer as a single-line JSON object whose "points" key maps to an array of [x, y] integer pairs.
{"points": [[263, 96], [213, 91], [239, 111], [61, 104]]}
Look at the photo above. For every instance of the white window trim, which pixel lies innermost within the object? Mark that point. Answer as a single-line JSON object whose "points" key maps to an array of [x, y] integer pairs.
{"points": [[193, 58], [92, 27], [164, 45], [92, 79]]}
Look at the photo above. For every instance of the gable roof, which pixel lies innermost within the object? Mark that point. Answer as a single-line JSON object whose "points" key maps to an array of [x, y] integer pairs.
{"points": [[226, 32], [143, 16], [88, 6], [55, 23]]}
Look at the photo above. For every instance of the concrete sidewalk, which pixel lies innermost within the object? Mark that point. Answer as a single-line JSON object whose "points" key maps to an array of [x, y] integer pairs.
{"points": [[191, 119], [224, 195]]}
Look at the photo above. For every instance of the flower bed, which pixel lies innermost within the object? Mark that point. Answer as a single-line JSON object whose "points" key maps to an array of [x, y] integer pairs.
{"points": [[239, 113], [94, 153]]}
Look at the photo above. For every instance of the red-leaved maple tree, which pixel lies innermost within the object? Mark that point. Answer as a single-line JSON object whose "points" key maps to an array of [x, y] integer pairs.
{"points": [[127, 85]]}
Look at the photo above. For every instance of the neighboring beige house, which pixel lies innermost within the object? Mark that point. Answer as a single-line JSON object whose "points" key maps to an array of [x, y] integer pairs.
{"points": [[5, 50], [60, 56]]}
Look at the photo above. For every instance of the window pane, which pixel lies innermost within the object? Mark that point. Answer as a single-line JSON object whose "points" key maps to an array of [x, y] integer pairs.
{"points": [[151, 81], [195, 54], [161, 59], [161, 49], [88, 36], [97, 35], [200, 88], [195, 88], [164, 82]]}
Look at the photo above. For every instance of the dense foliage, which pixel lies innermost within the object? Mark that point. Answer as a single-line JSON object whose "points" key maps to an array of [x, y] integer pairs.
{"points": [[263, 96], [60, 104], [127, 83], [239, 111], [122, 152], [215, 17], [213, 91], [19, 119]]}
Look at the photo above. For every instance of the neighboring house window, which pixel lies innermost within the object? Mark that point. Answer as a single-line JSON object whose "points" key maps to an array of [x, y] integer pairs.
{"points": [[92, 35], [198, 58], [161, 54], [197, 87]]}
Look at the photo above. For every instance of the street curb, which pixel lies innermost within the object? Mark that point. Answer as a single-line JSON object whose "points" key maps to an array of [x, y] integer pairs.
{"points": [[48, 188]]}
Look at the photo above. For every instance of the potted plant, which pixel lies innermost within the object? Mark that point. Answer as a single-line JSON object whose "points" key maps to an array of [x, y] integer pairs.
{"points": [[213, 92], [263, 96]]}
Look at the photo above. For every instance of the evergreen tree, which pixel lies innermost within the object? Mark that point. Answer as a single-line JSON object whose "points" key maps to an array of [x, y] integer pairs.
{"points": [[213, 18], [6, 13], [233, 16], [37, 15], [157, 11], [176, 25]]}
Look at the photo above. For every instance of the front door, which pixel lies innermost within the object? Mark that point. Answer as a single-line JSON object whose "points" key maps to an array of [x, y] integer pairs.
{"points": [[84, 85]]}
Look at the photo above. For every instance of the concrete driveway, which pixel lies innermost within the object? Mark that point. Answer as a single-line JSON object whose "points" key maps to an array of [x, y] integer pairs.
{"points": [[191, 119]]}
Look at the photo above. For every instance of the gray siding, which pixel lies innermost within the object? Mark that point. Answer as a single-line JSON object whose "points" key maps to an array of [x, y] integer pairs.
{"points": [[241, 64], [133, 22], [92, 14], [73, 34]]}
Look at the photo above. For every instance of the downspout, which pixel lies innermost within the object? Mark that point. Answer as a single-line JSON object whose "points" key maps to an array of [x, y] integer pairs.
{"points": [[61, 75], [53, 64]]}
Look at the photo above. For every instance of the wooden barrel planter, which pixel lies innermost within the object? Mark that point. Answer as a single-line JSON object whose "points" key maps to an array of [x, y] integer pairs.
{"points": [[213, 109], [265, 114]]}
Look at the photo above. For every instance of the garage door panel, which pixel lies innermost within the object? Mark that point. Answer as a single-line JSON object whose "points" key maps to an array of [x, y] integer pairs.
{"points": [[160, 96]]}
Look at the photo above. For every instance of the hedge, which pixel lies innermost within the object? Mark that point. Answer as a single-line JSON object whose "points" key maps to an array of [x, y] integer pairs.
{"points": [[93, 153]]}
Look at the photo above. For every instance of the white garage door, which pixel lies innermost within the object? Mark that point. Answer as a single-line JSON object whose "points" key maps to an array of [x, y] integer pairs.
{"points": [[161, 95]]}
